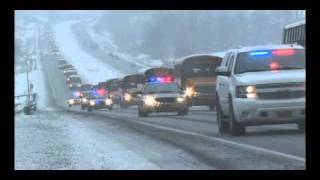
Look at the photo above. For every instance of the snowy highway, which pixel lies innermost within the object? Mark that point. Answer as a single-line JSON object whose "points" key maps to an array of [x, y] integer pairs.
{"points": [[119, 139]]}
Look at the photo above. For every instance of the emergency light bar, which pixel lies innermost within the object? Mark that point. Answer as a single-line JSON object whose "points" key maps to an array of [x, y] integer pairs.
{"points": [[277, 52], [164, 79]]}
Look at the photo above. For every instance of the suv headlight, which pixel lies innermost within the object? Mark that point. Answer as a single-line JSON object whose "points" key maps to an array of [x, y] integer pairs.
{"points": [[92, 102], [150, 101], [108, 102], [85, 100], [189, 92], [127, 97], [246, 92], [180, 99], [71, 101]]}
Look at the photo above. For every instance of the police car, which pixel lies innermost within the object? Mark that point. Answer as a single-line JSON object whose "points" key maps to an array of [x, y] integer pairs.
{"points": [[161, 94], [75, 98], [95, 101], [261, 85], [74, 81]]}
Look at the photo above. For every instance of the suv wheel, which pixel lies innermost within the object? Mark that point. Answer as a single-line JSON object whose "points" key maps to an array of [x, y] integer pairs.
{"points": [[236, 129], [143, 114], [82, 107], [222, 125], [89, 109], [183, 112]]}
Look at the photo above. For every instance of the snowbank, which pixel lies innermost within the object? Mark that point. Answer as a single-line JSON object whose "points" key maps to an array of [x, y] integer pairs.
{"points": [[90, 69]]}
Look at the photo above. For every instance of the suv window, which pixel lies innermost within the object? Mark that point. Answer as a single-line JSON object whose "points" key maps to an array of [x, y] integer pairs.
{"points": [[225, 59], [231, 60]]}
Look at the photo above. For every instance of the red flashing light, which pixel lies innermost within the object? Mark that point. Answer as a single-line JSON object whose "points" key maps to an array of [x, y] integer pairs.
{"points": [[274, 66], [101, 92], [283, 52]]}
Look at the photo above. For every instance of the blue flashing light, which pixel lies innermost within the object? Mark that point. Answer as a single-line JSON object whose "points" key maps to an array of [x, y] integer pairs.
{"points": [[260, 53], [76, 94], [153, 79]]}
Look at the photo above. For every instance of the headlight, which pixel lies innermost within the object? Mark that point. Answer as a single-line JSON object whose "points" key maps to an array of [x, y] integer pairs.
{"points": [[71, 101], [180, 99], [84, 100], [92, 102], [189, 92], [79, 85], [246, 92], [70, 85], [150, 101], [108, 102], [127, 97]]}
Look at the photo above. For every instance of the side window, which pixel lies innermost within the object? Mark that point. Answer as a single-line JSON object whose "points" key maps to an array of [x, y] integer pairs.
{"points": [[225, 59], [231, 60]]}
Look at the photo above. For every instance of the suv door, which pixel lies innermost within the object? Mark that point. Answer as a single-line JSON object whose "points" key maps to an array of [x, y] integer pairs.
{"points": [[223, 86]]}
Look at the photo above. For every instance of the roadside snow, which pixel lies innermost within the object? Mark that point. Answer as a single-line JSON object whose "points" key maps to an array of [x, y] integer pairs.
{"points": [[90, 69]]}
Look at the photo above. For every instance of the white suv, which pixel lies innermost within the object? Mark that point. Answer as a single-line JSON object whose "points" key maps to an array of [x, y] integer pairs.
{"points": [[261, 85]]}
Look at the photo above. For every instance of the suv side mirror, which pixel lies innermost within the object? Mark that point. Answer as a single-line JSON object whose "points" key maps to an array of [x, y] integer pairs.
{"points": [[222, 71]]}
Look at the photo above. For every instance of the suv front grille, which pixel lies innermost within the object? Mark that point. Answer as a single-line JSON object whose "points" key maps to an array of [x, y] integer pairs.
{"points": [[282, 95], [281, 90], [281, 85]]}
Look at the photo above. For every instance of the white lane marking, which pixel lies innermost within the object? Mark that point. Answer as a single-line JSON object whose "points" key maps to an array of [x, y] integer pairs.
{"points": [[246, 146]]}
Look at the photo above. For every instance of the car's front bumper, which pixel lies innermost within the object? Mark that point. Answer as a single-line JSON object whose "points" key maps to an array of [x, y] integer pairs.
{"points": [[165, 107], [256, 112]]}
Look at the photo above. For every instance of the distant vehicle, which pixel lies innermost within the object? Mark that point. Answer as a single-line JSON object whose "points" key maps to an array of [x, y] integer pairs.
{"points": [[68, 69], [84, 98], [158, 72], [162, 95], [74, 81], [65, 66], [196, 75], [131, 86], [61, 62], [261, 85], [70, 72], [75, 98], [295, 33], [113, 88], [95, 101]]}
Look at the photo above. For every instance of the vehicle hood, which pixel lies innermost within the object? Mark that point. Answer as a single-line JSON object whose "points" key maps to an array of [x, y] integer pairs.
{"points": [[267, 77], [174, 95]]}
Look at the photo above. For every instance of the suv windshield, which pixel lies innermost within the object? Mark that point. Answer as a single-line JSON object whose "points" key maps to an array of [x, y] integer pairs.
{"points": [[85, 87], [161, 88], [75, 79], [248, 62]]}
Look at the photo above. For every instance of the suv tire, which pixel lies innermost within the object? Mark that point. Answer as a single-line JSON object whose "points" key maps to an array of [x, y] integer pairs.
{"points": [[236, 129], [183, 112], [143, 114], [223, 126]]}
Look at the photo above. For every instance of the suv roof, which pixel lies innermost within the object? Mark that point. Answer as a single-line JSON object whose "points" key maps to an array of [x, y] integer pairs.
{"points": [[264, 47]]}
